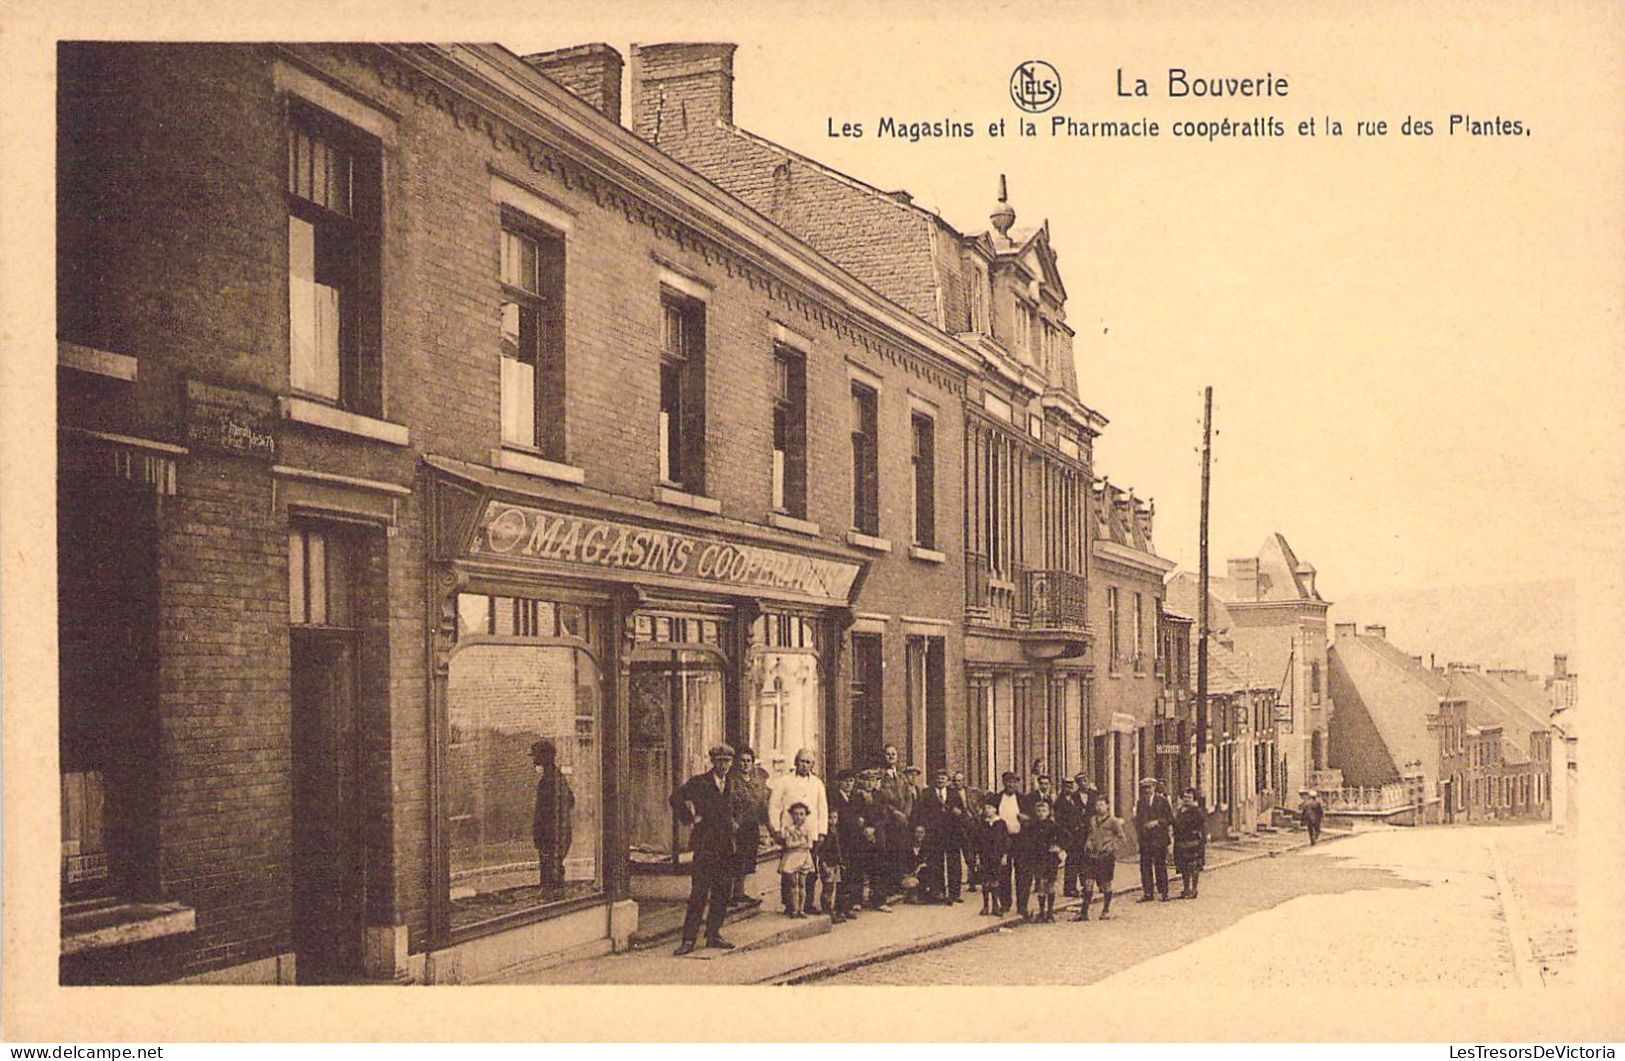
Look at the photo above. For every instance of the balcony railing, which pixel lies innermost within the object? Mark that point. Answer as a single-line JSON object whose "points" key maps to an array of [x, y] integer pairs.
{"points": [[1056, 600]]}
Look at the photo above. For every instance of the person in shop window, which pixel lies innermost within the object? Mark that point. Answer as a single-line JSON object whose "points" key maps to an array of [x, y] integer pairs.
{"points": [[552, 822]]}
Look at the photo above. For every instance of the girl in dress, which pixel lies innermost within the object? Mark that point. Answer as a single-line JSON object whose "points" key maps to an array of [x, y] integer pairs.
{"points": [[1190, 842], [797, 861]]}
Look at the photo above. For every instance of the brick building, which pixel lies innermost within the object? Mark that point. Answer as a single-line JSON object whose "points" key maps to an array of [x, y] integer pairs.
{"points": [[1030, 672], [1453, 735], [413, 414], [1278, 618]]}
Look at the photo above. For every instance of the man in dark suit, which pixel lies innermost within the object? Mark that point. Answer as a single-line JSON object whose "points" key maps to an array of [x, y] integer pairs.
{"points": [[967, 838], [1153, 828], [710, 803], [941, 809], [1069, 815]]}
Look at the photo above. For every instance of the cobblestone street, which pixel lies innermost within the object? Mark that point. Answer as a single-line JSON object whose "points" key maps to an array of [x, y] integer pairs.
{"points": [[1396, 907]]}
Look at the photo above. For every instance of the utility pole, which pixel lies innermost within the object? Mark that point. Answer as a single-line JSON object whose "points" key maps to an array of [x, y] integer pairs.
{"points": [[1201, 599]]}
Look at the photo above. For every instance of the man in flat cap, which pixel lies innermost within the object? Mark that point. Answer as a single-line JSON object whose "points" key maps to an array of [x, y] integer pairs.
{"points": [[1153, 828], [709, 803], [551, 825]]}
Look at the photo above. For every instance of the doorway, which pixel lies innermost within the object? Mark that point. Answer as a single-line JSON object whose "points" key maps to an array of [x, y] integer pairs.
{"points": [[328, 886], [868, 702]]}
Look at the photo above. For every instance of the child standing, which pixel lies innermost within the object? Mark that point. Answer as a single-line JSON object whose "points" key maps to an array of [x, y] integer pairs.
{"points": [[827, 854], [1106, 836], [1043, 850], [992, 858], [797, 861]]}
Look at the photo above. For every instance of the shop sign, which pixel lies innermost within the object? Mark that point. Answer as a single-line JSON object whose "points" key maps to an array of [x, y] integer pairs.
{"points": [[1283, 712], [1167, 749], [518, 532], [232, 421]]}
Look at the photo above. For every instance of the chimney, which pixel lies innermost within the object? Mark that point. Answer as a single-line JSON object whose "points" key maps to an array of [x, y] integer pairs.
{"points": [[590, 72], [1342, 630], [1245, 571], [1376, 630], [1417, 659], [1560, 666], [679, 88]]}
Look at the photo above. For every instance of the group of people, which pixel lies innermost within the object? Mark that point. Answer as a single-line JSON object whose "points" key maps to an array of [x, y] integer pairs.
{"points": [[877, 837]]}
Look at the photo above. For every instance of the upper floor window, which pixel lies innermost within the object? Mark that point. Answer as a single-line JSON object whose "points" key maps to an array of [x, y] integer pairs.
{"points": [[976, 300], [1139, 631], [682, 392], [865, 460], [1111, 625], [1021, 337], [531, 264], [1314, 681], [789, 432], [333, 198], [924, 458]]}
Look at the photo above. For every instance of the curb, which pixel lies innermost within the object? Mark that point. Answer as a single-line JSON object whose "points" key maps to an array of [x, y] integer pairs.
{"points": [[1523, 949], [812, 973]]}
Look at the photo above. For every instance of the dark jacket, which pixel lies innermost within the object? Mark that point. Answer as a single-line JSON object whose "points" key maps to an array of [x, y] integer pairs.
{"points": [[940, 816], [1073, 820], [1153, 822], [1040, 836], [1312, 811], [713, 813], [992, 843], [1190, 837], [898, 794], [552, 823]]}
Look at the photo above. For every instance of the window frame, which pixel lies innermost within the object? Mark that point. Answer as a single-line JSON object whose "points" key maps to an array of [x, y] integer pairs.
{"points": [[789, 431], [348, 247], [681, 441], [923, 467], [549, 405], [864, 411]]}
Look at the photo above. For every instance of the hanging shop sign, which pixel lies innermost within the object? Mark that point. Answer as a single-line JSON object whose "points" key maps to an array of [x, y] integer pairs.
{"points": [[521, 533]]}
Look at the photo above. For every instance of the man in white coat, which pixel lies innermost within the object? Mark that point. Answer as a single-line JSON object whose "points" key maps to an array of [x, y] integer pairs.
{"points": [[786, 791]]}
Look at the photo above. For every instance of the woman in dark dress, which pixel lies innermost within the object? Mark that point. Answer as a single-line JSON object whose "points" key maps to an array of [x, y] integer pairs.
{"points": [[1190, 842], [753, 795]]}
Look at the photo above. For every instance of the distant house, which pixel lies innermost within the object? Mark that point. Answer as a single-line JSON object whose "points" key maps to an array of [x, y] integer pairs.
{"points": [[1454, 739]]}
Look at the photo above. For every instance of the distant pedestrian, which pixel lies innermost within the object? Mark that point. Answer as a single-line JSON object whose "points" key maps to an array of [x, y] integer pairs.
{"points": [[1044, 854], [796, 863], [992, 859], [1153, 829], [1190, 842], [1312, 812], [1106, 838]]}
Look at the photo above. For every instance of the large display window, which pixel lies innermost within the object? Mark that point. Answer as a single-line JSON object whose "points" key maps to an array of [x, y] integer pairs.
{"points": [[523, 767], [785, 694], [676, 712]]}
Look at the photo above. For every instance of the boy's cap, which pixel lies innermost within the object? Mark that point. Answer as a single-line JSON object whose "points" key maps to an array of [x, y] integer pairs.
{"points": [[911, 769], [1007, 776], [1144, 781], [846, 775], [721, 751]]}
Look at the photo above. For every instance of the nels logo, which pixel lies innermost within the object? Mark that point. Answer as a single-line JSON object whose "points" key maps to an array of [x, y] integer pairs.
{"points": [[1035, 86]]}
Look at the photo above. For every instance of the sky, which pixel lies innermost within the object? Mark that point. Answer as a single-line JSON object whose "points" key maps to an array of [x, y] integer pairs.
{"points": [[1411, 340]]}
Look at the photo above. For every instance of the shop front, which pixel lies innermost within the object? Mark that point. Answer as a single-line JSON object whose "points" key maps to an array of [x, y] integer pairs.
{"points": [[585, 659]]}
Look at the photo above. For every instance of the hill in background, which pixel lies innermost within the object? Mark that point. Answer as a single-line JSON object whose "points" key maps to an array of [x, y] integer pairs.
{"points": [[1515, 624]]}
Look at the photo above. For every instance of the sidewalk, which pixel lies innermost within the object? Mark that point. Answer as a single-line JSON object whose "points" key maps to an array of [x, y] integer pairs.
{"points": [[772, 949]]}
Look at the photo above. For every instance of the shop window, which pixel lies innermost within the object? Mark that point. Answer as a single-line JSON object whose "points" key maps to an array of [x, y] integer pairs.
{"points": [[786, 699], [107, 616], [333, 200], [1139, 633], [924, 460], [531, 265], [789, 433], [676, 713], [523, 766], [865, 460], [682, 392]]}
